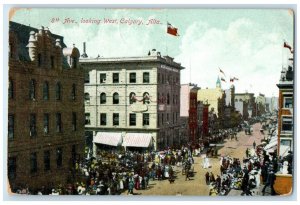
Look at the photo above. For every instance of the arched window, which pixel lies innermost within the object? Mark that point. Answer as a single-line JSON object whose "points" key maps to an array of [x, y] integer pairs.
{"points": [[46, 91], [32, 85], [102, 98], [115, 98], [73, 92], [132, 98], [146, 98], [11, 89], [58, 91], [87, 98], [168, 99]]}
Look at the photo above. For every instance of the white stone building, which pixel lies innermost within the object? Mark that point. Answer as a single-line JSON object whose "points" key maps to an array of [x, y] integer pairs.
{"points": [[132, 101]]}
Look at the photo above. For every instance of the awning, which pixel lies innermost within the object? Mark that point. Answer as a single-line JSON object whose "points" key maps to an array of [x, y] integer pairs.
{"points": [[283, 150], [108, 138], [270, 145], [137, 140]]}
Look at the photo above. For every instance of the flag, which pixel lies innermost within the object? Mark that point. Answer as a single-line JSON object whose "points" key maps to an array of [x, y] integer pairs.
{"points": [[222, 72], [234, 78], [172, 30], [223, 80], [231, 79], [286, 45]]}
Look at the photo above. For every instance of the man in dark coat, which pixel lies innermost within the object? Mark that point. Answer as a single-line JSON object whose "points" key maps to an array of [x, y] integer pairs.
{"points": [[207, 178]]}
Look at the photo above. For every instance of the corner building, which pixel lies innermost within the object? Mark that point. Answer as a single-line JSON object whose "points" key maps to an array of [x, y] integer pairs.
{"points": [[45, 108], [132, 102]]}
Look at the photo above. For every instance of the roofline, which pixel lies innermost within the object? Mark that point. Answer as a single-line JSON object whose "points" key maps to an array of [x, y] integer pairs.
{"points": [[129, 60]]}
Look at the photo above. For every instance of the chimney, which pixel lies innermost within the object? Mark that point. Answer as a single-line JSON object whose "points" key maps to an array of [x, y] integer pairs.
{"points": [[84, 55]]}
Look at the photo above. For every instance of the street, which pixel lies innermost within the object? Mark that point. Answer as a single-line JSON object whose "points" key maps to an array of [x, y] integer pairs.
{"points": [[197, 185]]}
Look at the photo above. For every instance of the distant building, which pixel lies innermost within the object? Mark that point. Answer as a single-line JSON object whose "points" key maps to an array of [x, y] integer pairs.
{"points": [[271, 104], [45, 108], [249, 100], [215, 97], [260, 101], [189, 111], [132, 102]]}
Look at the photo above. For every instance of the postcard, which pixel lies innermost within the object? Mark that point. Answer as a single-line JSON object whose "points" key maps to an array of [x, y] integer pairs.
{"points": [[150, 102]]}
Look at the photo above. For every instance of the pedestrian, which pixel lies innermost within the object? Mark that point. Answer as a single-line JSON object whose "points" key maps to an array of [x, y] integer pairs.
{"points": [[130, 187], [247, 152], [207, 178], [254, 145], [212, 177]]}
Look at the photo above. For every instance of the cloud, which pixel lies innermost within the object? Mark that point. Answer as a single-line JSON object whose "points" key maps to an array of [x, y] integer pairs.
{"points": [[244, 49]]}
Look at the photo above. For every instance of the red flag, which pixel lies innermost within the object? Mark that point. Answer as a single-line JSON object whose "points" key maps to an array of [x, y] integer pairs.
{"points": [[172, 30], [223, 80], [287, 46], [231, 79], [222, 72]]}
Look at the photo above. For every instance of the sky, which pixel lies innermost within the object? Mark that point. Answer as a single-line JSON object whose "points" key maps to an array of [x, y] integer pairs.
{"points": [[243, 43]]}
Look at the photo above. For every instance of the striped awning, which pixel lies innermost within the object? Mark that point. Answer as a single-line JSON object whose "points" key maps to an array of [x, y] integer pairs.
{"points": [[271, 145], [284, 150], [137, 140], [108, 138]]}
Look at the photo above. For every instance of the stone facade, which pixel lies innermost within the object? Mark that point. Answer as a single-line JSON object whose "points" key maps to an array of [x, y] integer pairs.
{"points": [[134, 85], [45, 108], [249, 100]]}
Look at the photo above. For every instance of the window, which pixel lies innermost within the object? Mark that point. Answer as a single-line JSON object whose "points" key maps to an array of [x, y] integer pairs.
{"points": [[103, 119], [132, 77], [87, 119], [146, 98], [58, 91], [167, 117], [158, 78], [115, 77], [52, 61], [46, 91], [162, 79], [74, 121], [173, 99], [162, 118], [32, 85], [158, 120], [168, 99], [46, 123], [87, 98], [39, 60], [102, 78], [102, 98], [32, 126], [286, 142], [146, 78], [132, 119], [115, 98], [59, 157], [58, 122], [73, 92], [47, 160], [33, 162], [12, 167], [11, 89], [11, 126], [132, 98], [87, 77], [287, 124], [288, 102], [145, 119], [115, 118]]}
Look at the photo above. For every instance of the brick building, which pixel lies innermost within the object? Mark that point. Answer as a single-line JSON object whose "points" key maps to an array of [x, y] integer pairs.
{"points": [[286, 110], [45, 108], [132, 101], [189, 111]]}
